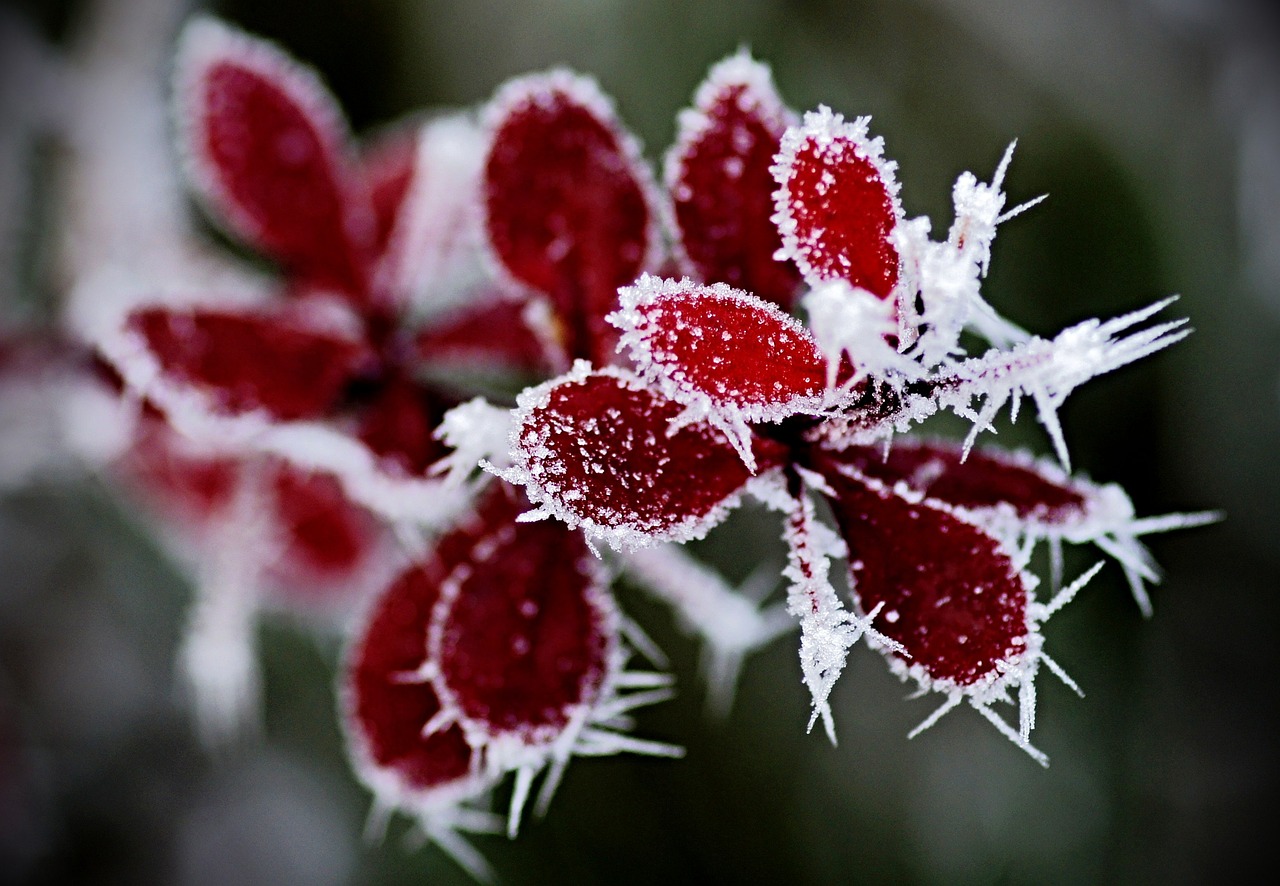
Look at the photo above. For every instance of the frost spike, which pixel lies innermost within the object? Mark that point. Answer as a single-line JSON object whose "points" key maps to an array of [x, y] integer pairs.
{"points": [[730, 623], [1048, 371]]}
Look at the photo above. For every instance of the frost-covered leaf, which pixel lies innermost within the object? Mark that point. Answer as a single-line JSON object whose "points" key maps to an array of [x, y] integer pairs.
{"points": [[385, 712], [268, 148], [596, 449], [727, 356], [514, 640], [720, 185], [173, 477], [324, 539], [1025, 499], [239, 362], [952, 594], [523, 634], [954, 597], [568, 202], [837, 203], [984, 479]]}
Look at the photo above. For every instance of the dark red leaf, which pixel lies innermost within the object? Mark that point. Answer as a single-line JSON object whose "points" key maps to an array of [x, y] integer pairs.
{"points": [[742, 353], [568, 202], [250, 361], [524, 632], [386, 709], [325, 537], [177, 481], [952, 596], [490, 335], [838, 206], [985, 480], [721, 188], [398, 424], [595, 450], [267, 146]]}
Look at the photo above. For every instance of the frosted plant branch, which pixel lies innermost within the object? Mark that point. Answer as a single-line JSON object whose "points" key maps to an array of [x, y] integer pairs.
{"points": [[1048, 371]]}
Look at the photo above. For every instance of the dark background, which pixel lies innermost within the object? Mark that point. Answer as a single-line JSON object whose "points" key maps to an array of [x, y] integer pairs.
{"points": [[1153, 125]]}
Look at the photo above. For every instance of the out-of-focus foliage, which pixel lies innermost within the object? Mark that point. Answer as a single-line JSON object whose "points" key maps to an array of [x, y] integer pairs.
{"points": [[1154, 125]]}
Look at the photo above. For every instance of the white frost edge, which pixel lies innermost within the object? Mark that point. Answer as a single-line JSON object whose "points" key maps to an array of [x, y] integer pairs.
{"points": [[206, 41], [827, 128], [622, 537], [584, 91], [692, 123]]}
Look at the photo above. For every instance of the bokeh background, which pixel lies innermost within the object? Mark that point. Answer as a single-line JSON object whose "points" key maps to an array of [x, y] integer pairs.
{"points": [[1153, 125]]}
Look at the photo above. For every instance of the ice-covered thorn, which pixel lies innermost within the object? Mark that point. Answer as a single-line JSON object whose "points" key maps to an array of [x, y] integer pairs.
{"points": [[642, 680], [375, 823], [952, 700], [1169, 522], [1008, 732], [1020, 208], [442, 719], [519, 796], [456, 847], [642, 642], [1061, 674], [1064, 596]]}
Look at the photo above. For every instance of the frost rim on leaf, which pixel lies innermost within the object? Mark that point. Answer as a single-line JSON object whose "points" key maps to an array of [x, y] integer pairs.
{"points": [[207, 41], [825, 127], [584, 91]]}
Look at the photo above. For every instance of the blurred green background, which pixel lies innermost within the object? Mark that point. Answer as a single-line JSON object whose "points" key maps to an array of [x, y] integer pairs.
{"points": [[1153, 125]]}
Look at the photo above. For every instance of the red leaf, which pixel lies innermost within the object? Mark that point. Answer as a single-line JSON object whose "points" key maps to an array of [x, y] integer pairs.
{"points": [[721, 188], [568, 202], [325, 537], [244, 362], [593, 448], [387, 167], [183, 484], [386, 709], [743, 354], [838, 203], [524, 633], [399, 426], [267, 146], [490, 335], [1038, 492], [952, 596]]}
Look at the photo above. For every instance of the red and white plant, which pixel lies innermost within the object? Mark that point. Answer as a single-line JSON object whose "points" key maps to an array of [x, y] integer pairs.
{"points": [[727, 393], [306, 430], [309, 433]]}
